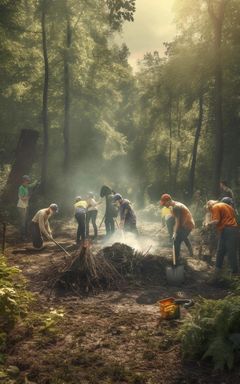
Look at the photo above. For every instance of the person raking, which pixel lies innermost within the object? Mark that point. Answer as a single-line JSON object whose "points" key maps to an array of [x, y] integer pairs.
{"points": [[40, 225]]}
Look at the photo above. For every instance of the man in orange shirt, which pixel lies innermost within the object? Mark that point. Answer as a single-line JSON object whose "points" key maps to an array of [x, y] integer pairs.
{"points": [[184, 223], [223, 217]]}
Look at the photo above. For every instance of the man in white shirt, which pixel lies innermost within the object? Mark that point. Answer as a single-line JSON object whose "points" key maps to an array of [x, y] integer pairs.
{"points": [[40, 225]]}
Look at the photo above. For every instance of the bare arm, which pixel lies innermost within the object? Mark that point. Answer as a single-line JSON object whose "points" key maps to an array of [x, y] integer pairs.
{"points": [[44, 226]]}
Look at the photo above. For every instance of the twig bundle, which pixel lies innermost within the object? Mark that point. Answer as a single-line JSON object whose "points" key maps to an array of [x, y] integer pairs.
{"points": [[86, 271], [107, 269]]}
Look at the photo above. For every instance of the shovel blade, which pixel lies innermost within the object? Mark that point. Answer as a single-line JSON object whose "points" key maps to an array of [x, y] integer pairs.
{"points": [[175, 275]]}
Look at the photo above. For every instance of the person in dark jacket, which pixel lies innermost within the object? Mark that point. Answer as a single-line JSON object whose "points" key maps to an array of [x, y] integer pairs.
{"points": [[111, 212], [127, 214]]}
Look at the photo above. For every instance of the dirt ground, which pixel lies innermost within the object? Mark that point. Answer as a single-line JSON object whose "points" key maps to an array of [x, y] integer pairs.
{"points": [[112, 337]]}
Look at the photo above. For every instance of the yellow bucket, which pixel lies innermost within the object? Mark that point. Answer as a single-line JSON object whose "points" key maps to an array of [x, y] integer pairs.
{"points": [[169, 309]]}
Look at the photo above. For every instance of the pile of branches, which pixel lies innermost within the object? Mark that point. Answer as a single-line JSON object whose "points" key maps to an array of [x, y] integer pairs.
{"points": [[133, 265], [86, 271], [109, 268]]}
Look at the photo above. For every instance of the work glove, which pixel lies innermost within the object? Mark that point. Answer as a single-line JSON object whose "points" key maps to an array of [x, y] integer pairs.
{"points": [[174, 236]]}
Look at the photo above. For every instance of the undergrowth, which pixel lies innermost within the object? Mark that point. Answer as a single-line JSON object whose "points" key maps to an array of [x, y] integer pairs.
{"points": [[14, 299], [213, 332], [15, 310]]}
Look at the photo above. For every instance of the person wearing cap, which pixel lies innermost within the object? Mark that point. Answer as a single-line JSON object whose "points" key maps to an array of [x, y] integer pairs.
{"points": [[111, 211], [224, 219], [184, 223], [127, 215], [91, 215], [80, 209], [40, 225], [23, 203]]}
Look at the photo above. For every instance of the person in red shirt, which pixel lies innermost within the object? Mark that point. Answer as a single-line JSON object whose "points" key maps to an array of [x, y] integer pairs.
{"points": [[223, 217], [184, 223]]}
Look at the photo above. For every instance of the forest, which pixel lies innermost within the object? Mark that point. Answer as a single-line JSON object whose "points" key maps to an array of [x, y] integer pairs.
{"points": [[77, 117], [174, 125]]}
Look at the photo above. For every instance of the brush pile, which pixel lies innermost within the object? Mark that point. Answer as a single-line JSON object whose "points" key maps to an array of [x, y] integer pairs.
{"points": [[109, 268], [136, 266]]}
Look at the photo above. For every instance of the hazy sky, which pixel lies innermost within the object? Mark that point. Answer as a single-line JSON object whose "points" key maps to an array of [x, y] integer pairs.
{"points": [[152, 26]]}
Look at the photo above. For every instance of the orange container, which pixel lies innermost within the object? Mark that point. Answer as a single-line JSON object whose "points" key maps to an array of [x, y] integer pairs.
{"points": [[169, 309]]}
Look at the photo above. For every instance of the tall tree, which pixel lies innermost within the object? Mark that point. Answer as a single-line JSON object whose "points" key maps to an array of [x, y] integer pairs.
{"points": [[67, 95], [44, 4], [195, 146], [216, 10]]}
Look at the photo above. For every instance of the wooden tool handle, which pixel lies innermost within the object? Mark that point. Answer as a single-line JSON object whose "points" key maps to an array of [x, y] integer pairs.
{"points": [[174, 255]]}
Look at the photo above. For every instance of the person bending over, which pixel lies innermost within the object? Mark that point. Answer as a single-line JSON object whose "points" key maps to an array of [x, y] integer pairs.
{"points": [[224, 219], [127, 214], [184, 223], [40, 225]]}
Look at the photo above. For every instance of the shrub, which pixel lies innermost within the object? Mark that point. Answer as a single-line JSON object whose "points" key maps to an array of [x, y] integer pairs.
{"points": [[213, 332], [14, 299]]}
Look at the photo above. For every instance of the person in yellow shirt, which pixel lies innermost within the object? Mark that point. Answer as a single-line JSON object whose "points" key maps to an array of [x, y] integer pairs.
{"points": [[80, 209]]}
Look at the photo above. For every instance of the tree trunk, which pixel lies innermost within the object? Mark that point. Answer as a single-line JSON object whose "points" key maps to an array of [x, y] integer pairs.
{"points": [[170, 145], [44, 101], [195, 147], [67, 97], [179, 122], [24, 157], [217, 18]]}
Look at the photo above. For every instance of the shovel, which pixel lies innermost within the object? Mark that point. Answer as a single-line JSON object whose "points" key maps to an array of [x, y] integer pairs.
{"points": [[61, 247], [175, 274]]}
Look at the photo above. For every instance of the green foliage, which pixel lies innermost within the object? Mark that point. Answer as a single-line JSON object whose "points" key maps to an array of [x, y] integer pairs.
{"points": [[120, 10], [44, 324], [14, 299], [213, 332]]}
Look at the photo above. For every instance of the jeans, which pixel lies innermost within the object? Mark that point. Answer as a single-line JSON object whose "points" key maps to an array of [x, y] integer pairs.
{"points": [[182, 236], [91, 216], [37, 239], [228, 244], [81, 231], [109, 224]]}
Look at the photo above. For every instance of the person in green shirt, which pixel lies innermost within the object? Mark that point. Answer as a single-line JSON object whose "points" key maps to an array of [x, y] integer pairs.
{"points": [[23, 203]]}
